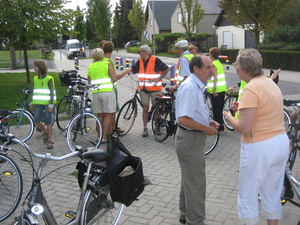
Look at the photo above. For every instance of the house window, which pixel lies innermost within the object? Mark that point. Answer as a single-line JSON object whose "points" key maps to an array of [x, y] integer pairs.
{"points": [[179, 18], [151, 22]]}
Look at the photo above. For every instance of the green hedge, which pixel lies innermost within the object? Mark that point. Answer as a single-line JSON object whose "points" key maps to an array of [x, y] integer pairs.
{"points": [[271, 59]]}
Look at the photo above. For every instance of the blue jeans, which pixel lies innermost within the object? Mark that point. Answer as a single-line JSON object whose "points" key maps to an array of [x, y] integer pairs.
{"points": [[38, 109]]}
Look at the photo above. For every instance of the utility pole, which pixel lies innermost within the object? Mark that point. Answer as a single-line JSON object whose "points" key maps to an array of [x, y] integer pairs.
{"points": [[153, 36]]}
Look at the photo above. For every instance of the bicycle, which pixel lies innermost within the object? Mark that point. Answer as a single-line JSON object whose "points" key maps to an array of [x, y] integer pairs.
{"points": [[291, 184], [11, 181], [68, 106], [84, 128], [164, 124], [94, 205], [128, 112], [21, 122]]}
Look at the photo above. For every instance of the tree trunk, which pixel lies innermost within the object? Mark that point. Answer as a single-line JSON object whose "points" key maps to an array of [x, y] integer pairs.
{"points": [[13, 59], [257, 36], [26, 64]]}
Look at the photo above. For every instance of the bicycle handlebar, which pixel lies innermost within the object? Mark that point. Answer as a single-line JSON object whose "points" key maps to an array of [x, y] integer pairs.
{"points": [[288, 102], [10, 138]]}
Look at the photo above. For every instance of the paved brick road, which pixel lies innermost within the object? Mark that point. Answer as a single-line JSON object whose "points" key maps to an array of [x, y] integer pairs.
{"points": [[158, 204]]}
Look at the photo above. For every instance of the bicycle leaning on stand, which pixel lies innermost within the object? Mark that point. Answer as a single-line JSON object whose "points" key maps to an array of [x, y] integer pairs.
{"points": [[94, 205], [291, 184], [85, 128], [164, 124], [11, 181]]}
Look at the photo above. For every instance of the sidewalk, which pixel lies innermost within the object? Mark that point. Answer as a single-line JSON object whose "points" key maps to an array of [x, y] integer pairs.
{"points": [[158, 204]]}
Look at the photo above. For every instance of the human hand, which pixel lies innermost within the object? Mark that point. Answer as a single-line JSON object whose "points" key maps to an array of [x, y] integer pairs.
{"points": [[275, 74], [235, 105]]}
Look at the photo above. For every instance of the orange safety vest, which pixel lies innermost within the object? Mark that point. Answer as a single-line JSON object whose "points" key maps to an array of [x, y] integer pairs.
{"points": [[148, 75]]}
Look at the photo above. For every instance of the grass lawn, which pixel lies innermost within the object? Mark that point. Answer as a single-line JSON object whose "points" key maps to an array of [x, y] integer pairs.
{"points": [[32, 54], [12, 84]]}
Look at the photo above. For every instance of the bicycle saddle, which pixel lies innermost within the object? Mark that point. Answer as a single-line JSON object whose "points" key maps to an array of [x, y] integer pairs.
{"points": [[95, 154]]}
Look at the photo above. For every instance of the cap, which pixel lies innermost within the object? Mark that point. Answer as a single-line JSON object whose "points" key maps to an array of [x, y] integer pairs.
{"points": [[182, 44]]}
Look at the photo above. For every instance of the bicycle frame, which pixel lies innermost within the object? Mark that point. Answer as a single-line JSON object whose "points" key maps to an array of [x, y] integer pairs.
{"points": [[37, 203]]}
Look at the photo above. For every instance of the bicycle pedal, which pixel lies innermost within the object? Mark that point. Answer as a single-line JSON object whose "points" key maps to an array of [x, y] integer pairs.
{"points": [[70, 214]]}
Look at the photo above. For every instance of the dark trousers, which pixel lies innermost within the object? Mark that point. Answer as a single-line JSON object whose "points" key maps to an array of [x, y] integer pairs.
{"points": [[217, 106]]}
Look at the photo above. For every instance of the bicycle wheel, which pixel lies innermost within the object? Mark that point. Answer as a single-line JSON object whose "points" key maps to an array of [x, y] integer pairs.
{"points": [[287, 120], [20, 124], [126, 117], [160, 122], [228, 107], [210, 142], [98, 208], [85, 130], [11, 186], [64, 113]]}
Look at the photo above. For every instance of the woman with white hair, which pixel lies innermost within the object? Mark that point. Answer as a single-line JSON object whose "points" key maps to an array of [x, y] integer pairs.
{"points": [[264, 143]]}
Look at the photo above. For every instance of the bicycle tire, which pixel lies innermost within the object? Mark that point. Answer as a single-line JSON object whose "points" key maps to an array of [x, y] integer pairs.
{"points": [[287, 120], [21, 125], [160, 120], [11, 187], [210, 142], [228, 107], [126, 117], [64, 113], [99, 208], [82, 131]]}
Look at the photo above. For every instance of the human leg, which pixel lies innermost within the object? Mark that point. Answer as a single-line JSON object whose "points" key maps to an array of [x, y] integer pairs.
{"points": [[37, 120], [145, 99], [190, 152], [277, 150]]}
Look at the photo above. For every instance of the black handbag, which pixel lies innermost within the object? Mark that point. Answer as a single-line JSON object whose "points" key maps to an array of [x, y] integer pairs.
{"points": [[126, 178]]}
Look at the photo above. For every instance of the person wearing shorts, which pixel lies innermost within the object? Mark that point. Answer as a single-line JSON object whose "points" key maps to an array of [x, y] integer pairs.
{"points": [[151, 70]]}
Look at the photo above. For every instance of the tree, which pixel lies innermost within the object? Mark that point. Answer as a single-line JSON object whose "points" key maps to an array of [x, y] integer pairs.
{"points": [[292, 15], [136, 17], [126, 31], [79, 27], [25, 22], [257, 16], [101, 18], [191, 13], [116, 27]]}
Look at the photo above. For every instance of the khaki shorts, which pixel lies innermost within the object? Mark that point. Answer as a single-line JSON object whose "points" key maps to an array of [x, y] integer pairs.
{"points": [[145, 97], [104, 102]]}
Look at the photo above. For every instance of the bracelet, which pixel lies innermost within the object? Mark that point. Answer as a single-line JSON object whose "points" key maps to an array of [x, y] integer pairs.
{"points": [[226, 117], [50, 105]]}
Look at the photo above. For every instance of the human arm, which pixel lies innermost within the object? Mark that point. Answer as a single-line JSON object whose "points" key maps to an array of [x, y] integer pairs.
{"points": [[215, 75], [190, 123], [275, 74], [51, 88], [162, 75], [245, 122]]}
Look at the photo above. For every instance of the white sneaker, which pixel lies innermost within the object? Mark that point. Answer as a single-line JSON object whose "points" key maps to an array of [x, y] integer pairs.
{"points": [[221, 132], [157, 131]]}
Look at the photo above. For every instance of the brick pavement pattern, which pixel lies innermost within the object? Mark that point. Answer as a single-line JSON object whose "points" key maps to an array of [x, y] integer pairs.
{"points": [[158, 204]]}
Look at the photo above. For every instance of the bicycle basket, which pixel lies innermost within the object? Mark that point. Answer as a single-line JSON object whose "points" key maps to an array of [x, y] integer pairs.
{"points": [[232, 91], [67, 76]]}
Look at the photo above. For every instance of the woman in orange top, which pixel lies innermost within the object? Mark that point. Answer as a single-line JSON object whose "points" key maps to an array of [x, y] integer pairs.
{"points": [[264, 143]]}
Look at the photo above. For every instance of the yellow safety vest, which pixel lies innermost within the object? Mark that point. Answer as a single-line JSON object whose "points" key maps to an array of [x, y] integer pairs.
{"points": [[178, 76], [41, 91], [221, 82]]}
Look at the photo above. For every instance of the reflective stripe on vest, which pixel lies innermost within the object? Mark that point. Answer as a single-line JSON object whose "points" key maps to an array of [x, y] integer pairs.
{"points": [[101, 78], [221, 81], [148, 75], [41, 91], [188, 56]]}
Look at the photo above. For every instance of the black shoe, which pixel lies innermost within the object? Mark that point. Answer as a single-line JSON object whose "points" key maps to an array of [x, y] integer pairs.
{"points": [[182, 221]]}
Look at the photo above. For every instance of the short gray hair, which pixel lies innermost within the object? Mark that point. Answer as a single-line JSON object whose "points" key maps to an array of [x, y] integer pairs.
{"points": [[97, 54], [251, 61], [146, 48]]}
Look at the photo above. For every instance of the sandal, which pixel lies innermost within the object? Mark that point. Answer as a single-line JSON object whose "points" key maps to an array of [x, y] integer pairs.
{"points": [[119, 130], [50, 144], [45, 138]]}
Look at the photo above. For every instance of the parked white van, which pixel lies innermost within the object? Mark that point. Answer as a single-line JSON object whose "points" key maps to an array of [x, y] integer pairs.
{"points": [[73, 48]]}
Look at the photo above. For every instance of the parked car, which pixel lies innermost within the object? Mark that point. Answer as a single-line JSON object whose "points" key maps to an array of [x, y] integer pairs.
{"points": [[132, 43]]}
